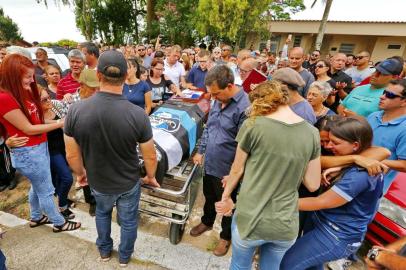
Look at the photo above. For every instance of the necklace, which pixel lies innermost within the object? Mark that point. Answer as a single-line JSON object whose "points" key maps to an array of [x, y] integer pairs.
{"points": [[321, 111], [132, 87]]}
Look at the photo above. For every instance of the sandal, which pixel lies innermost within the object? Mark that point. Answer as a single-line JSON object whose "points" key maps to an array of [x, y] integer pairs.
{"points": [[67, 226], [43, 220]]}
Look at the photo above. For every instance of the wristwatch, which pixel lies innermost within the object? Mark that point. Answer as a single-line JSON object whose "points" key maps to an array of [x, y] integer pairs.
{"points": [[373, 253]]}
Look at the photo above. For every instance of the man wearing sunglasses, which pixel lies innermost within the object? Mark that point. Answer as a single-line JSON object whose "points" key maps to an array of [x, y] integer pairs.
{"points": [[361, 69], [146, 59], [364, 99], [389, 128], [311, 64]]}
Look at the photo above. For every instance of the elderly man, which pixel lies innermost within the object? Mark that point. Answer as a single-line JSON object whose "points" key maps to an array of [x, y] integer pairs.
{"points": [[218, 147], [296, 58], [111, 158], [70, 83]]}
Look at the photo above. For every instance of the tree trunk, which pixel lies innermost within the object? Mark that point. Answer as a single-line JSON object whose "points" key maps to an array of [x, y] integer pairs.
{"points": [[150, 17], [323, 23], [136, 34]]}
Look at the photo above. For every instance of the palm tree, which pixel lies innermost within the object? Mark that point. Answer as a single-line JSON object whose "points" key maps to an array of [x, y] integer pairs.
{"points": [[323, 23]]}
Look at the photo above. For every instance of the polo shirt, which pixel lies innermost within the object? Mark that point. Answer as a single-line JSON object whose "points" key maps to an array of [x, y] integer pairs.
{"points": [[391, 135], [196, 76], [68, 85], [174, 72], [349, 221], [363, 100]]}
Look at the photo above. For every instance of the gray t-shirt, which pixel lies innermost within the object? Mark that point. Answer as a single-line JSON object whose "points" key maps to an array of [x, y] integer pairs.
{"points": [[107, 128], [309, 79], [304, 110]]}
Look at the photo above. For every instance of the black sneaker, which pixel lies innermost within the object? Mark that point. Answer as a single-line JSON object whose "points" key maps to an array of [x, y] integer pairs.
{"points": [[68, 214], [71, 204], [92, 210]]}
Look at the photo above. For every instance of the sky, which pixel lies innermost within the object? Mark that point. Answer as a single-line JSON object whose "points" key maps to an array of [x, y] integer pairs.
{"points": [[38, 23]]}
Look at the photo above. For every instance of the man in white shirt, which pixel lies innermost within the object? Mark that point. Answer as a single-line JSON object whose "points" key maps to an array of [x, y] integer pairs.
{"points": [[361, 69], [173, 69]]}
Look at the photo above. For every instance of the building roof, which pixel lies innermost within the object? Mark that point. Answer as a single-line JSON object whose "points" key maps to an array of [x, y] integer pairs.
{"points": [[338, 21]]}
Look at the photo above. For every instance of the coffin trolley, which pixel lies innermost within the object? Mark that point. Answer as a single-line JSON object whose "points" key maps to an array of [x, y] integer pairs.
{"points": [[177, 127]]}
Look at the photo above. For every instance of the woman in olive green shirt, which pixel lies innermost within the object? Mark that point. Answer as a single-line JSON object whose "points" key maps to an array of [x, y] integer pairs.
{"points": [[277, 150]]}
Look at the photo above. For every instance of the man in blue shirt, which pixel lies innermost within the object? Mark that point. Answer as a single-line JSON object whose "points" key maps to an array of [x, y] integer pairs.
{"points": [[218, 145], [198, 73], [389, 127], [364, 99]]}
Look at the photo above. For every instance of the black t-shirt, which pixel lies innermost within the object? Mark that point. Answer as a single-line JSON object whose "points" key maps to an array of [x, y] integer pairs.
{"points": [[341, 77], [56, 144], [107, 128], [160, 91]]}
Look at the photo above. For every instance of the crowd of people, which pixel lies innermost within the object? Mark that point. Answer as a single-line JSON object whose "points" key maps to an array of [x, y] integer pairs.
{"points": [[295, 165]]}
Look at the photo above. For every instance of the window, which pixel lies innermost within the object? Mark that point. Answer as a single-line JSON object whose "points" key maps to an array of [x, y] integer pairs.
{"points": [[296, 41], [346, 48], [394, 46]]}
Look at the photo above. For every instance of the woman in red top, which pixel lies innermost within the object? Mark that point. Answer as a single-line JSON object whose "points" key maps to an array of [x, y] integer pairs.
{"points": [[21, 114]]}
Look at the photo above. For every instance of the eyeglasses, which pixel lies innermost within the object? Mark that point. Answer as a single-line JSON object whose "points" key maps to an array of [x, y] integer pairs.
{"points": [[159, 69], [45, 99], [391, 95], [320, 66]]}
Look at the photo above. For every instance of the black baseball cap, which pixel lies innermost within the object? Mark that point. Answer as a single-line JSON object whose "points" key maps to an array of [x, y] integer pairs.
{"points": [[112, 58], [390, 66]]}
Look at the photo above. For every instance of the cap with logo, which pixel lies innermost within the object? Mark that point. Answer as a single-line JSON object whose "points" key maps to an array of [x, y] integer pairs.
{"points": [[390, 66]]}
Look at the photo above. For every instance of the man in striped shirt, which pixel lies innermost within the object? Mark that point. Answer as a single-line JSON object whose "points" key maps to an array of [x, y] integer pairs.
{"points": [[70, 83]]}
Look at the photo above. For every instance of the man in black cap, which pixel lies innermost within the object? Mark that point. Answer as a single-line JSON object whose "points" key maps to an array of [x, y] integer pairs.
{"points": [[364, 100], [102, 132]]}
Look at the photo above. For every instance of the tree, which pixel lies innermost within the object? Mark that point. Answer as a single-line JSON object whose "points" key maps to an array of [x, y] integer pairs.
{"points": [[175, 21], [234, 19], [323, 23], [9, 30]]}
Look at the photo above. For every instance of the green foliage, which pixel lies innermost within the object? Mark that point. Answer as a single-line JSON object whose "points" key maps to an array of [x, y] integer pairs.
{"points": [[9, 30], [60, 43], [229, 19], [175, 21], [111, 20]]}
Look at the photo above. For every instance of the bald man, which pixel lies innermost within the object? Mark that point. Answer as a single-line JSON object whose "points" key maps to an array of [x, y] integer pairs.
{"points": [[344, 81], [296, 59], [361, 69]]}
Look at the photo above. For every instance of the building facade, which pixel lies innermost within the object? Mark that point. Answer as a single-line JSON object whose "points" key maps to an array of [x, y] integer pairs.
{"points": [[381, 39]]}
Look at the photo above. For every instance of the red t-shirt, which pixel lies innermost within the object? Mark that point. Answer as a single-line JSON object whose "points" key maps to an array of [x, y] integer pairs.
{"points": [[68, 85], [7, 104]]}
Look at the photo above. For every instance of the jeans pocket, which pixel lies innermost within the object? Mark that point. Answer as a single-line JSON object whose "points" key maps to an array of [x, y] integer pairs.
{"points": [[352, 248]]}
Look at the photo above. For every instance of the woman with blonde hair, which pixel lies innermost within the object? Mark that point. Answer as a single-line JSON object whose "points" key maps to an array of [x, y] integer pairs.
{"points": [[52, 76], [272, 160]]}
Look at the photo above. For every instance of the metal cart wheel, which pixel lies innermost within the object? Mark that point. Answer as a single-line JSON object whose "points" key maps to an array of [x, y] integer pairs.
{"points": [[176, 231]]}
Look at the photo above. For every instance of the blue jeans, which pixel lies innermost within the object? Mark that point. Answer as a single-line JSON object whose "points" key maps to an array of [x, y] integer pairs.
{"points": [[33, 163], [271, 252], [62, 178], [2, 261], [315, 248], [127, 210]]}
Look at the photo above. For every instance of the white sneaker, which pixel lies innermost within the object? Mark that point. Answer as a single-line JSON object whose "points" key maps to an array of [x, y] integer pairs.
{"points": [[341, 264]]}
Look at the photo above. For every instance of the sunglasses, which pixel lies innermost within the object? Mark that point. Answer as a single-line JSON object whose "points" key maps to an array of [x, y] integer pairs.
{"points": [[140, 50], [320, 66], [359, 57], [391, 95]]}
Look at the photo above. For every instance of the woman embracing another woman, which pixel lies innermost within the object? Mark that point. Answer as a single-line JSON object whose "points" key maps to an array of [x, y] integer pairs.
{"points": [[22, 115]]}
